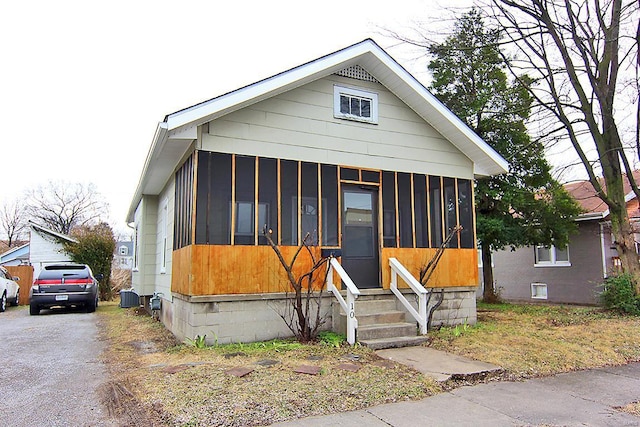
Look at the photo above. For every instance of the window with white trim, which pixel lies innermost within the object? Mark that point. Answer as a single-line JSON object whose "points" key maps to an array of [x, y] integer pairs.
{"points": [[355, 104], [539, 290], [124, 250], [551, 257]]}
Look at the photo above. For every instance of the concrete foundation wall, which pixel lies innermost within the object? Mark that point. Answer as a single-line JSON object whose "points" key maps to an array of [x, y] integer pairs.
{"points": [[251, 318], [233, 318]]}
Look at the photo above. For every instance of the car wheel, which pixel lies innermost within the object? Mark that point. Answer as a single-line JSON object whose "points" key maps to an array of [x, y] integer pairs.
{"points": [[17, 301], [3, 302], [91, 306], [34, 310]]}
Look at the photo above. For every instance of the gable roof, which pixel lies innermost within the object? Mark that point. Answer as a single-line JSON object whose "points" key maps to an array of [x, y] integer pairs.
{"points": [[174, 135], [584, 193], [59, 236]]}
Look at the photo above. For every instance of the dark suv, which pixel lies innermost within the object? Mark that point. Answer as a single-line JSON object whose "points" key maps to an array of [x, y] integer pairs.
{"points": [[64, 285]]}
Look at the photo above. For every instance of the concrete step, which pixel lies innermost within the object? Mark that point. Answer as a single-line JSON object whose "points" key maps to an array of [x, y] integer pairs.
{"points": [[394, 316], [394, 342], [364, 306], [386, 330]]}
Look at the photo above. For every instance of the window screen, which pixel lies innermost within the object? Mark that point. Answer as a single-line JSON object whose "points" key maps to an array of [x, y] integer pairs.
{"points": [[213, 199], [435, 211], [309, 205], [420, 210], [404, 210], [245, 197], [465, 209], [389, 209], [289, 196], [450, 215], [329, 205], [267, 198]]}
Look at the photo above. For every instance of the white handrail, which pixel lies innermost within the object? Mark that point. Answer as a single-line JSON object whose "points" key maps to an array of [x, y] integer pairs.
{"points": [[349, 306], [397, 269]]}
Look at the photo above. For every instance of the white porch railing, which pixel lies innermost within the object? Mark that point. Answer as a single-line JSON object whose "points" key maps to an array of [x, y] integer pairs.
{"points": [[349, 306], [397, 269]]}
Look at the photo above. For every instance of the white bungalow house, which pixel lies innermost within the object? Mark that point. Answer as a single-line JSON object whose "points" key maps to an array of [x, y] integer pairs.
{"points": [[349, 148]]}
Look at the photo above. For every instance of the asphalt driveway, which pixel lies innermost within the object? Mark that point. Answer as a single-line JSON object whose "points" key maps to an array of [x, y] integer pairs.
{"points": [[50, 371]]}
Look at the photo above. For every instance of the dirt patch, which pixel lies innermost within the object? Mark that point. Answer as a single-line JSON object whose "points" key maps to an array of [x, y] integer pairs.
{"points": [[122, 405], [144, 347]]}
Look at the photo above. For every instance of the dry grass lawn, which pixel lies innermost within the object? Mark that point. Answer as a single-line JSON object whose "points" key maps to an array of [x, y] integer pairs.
{"points": [[157, 381], [187, 386], [529, 341]]}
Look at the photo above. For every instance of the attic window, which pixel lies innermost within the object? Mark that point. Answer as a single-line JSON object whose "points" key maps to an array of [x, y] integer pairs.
{"points": [[355, 104]]}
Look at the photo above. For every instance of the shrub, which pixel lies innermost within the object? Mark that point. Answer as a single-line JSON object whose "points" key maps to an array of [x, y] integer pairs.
{"points": [[619, 295]]}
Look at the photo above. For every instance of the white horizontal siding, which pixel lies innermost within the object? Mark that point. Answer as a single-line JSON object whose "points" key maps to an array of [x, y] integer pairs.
{"points": [[299, 125]]}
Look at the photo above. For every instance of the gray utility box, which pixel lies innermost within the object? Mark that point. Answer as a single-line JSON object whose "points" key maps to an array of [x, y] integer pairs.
{"points": [[129, 299]]}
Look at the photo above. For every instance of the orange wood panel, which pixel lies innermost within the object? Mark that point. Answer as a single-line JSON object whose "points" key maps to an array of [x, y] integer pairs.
{"points": [[180, 262], [222, 270], [457, 267]]}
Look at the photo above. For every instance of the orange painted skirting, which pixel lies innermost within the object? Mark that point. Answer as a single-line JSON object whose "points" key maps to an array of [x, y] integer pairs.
{"points": [[224, 270], [457, 267]]}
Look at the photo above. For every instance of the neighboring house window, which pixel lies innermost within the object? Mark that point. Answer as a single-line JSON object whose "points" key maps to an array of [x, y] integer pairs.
{"points": [[355, 104], [538, 291], [551, 256], [163, 230]]}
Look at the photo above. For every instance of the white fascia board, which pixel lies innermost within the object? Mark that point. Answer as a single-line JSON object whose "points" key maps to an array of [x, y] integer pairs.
{"points": [[592, 215], [159, 140], [40, 229]]}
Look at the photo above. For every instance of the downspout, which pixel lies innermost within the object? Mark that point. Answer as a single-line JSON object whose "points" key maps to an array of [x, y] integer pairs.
{"points": [[602, 248]]}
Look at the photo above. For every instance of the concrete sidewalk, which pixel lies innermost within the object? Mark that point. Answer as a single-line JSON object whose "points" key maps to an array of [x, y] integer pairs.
{"points": [[585, 398]]}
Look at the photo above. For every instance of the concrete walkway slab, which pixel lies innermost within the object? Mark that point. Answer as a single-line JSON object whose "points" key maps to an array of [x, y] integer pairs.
{"points": [[437, 364], [585, 398]]}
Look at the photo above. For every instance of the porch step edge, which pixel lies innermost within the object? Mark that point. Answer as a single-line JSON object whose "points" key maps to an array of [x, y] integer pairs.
{"points": [[386, 330]]}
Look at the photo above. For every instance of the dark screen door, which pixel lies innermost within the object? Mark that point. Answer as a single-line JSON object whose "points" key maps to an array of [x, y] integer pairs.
{"points": [[360, 235]]}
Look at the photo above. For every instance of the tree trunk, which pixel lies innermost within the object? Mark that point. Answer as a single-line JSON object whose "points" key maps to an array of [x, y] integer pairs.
{"points": [[623, 234], [489, 293], [621, 227]]}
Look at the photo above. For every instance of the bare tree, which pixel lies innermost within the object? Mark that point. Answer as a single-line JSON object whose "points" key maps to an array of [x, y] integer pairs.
{"points": [[303, 314], [13, 220], [61, 206], [583, 55]]}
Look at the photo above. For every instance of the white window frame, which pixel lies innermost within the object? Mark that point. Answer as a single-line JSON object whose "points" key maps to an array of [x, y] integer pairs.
{"points": [[355, 93], [534, 291], [553, 262], [164, 236], [123, 251]]}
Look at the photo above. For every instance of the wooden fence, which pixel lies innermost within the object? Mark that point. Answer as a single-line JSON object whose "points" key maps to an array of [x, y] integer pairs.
{"points": [[25, 273]]}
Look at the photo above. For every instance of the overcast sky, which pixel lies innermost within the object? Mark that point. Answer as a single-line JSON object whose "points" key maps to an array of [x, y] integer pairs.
{"points": [[83, 84]]}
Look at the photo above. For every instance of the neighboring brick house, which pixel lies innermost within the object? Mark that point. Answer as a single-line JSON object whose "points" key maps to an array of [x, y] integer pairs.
{"points": [[572, 275]]}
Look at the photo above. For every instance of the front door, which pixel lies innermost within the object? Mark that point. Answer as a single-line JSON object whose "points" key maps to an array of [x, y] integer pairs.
{"points": [[360, 235]]}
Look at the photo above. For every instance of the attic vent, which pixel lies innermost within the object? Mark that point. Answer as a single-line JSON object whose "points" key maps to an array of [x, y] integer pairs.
{"points": [[358, 73]]}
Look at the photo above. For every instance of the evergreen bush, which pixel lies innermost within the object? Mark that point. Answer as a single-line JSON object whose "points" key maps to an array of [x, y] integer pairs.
{"points": [[619, 295]]}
